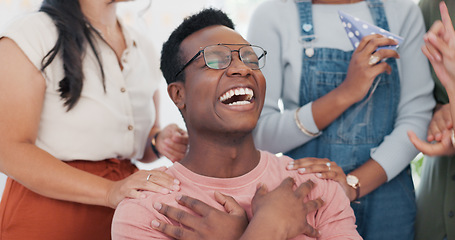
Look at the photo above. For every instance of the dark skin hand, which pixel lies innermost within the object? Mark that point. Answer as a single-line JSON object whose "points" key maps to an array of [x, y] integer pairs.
{"points": [[282, 213], [210, 224], [272, 216]]}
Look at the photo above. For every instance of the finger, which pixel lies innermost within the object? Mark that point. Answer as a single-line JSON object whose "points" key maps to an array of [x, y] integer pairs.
{"points": [[386, 53], [445, 17], [173, 156], [316, 168], [160, 178], [310, 231], [372, 42], [426, 148], [435, 130], [446, 115], [288, 182], [427, 54], [437, 29], [196, 205], [230, 205], [174, 152], [305, 188], [175, 232], [380, 68], [446, 139], [161, 169], [261, 190], [180, 137], [432, 49], [439, 45], [175, 145], [306, 162], [336, 174], [314, 205], [177, 214]]}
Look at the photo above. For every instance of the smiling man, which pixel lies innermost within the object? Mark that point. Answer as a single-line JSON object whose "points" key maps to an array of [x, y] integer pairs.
{"points": [[214, 78]]}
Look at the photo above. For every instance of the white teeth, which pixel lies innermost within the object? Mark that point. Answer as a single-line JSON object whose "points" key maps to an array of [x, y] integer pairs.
{"points": [[237, 92], [239, 103]]}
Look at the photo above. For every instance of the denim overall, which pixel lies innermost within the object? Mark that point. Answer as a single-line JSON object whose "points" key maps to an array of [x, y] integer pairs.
{"points": [[389, 211]]}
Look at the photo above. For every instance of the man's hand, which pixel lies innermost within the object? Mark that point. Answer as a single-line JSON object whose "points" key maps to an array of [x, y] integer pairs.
{"points": [[282, 213], [210, 224]]}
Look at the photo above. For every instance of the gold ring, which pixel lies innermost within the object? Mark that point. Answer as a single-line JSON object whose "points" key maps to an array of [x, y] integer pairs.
{"points": [[148, 177], [373, 60]]}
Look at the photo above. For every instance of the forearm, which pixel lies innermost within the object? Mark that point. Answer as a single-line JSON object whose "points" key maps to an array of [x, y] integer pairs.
{"points": [[259, 228], [329, 107], [371, 175], [42, 173], [149, 155], [278, 132]]}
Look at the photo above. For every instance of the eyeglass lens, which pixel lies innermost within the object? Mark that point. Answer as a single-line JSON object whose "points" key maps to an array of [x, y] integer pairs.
{"points": [[220, 57]]}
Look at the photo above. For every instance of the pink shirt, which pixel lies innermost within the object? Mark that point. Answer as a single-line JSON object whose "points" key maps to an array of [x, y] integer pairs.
{"points": [[335, 220]]}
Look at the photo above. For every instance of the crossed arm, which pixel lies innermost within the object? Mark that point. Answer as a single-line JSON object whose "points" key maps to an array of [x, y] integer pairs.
{"points": [[273, 218]]}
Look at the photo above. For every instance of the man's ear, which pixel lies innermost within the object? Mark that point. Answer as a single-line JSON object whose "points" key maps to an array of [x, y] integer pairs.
{"points": [[176, 91]]}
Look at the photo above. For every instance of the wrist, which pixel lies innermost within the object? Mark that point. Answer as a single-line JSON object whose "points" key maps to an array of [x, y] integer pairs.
{"points": [[354, 185], [263, 226], [346, 96], [153, 145]]}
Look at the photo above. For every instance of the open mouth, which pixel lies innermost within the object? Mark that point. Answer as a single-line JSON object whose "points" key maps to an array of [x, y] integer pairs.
{"points": [[237, 96]]}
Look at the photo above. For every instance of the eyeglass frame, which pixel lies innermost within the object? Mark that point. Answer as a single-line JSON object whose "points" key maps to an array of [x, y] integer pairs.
{"points": [[221, 44]]}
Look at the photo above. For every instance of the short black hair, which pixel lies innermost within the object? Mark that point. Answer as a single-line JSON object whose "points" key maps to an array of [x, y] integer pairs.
{"points": [[171, 59]]}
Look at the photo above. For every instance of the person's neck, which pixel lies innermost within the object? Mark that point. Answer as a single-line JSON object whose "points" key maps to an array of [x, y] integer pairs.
{"points": [[221, 157], [101, 15]]}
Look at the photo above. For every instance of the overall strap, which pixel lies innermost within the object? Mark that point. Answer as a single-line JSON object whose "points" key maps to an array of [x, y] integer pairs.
{"points": [[306, 20], [304, 8], [378, 14]]}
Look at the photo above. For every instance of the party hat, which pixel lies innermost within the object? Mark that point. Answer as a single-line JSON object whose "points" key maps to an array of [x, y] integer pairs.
{"points": [[357, 29]]}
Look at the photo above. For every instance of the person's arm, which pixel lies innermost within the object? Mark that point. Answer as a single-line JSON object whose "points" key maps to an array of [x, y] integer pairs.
{"points": [[414, 109], [440, 50], [272, 217], [170, 142], [282, 213], [440, 131], [277, 130], [416, 103], [358, 81], [22, 91]]}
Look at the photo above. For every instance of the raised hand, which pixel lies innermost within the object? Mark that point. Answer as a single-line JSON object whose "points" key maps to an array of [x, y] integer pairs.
{"points": [[172, 142], [366, 65], [210, 224], [439, 48]]}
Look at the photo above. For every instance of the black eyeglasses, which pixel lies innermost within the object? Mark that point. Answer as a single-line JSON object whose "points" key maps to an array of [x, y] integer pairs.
{"points": [[219, 56]]}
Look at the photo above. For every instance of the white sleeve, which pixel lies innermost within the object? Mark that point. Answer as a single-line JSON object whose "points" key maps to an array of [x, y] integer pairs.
{"points": [[416, 100], [277, 131], [35, 34]]}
